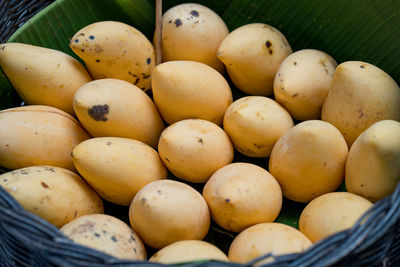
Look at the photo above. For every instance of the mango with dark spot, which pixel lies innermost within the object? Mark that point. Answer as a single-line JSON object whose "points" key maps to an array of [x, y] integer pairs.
{"points": [[108, 234], [58, 196], [101, 45]]}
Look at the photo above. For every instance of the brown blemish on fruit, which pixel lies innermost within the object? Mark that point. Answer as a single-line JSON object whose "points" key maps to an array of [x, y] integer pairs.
{"points": [[295, 95], [23, 172], [295, 63], [148, 61], [44, 185], [178, 22], [98, 112], [97, 60], [323, 63], [75, 213], [49, 169], [114, 239], [136, 81], [258, 146], [194, 13], [268, 44], [200, 140], [167, 159], [227, 200], [146, 76]]}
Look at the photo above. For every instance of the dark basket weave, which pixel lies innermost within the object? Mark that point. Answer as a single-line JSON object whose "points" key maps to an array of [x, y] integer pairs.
{"points": [[27, 240]]}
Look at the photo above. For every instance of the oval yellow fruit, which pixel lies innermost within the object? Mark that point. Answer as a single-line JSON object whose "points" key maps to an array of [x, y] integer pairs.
{"points": [[187, 89], [38, 135], [55, 194], [308, 160], [117, 168], [112, 107], [43, 76], [112, 49], [373, 163]]}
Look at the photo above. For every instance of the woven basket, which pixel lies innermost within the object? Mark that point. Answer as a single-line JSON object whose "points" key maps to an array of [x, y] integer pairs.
{"points": [[27, 240]]}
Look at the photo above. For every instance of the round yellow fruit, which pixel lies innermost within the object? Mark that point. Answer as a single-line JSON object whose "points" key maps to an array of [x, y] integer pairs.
{"points": [[193, 32], [167, 211], [308, 160], [188, 251], [194, 149], [331, 213], [263, 238], [242, 194], [255, 123], [252, 54], [302, 82]]}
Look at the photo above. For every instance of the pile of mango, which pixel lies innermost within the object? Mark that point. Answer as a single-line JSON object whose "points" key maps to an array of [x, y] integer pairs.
{"points": [[112, 127]]}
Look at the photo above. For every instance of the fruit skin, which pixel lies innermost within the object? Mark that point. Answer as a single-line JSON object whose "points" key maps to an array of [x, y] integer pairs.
{"points": [[188, 89], [372, 166], [242, 194], [309, 160], [112, 49], [56, 194], [264, 238], [117, 168], [255, 123], [194, 149], [43, 76], [174, 209], [188, 251], [302, 83], [252, 54], [331, 213], [107, 234], [38, 135], [360, 95], [112, 107], [193, 32]]}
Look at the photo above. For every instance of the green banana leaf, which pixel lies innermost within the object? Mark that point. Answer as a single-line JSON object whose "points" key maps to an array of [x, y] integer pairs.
{"points": [[366, 30]]}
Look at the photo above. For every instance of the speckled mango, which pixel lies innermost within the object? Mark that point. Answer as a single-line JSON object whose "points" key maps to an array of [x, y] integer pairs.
{"points": [[54, 194], [107, 234], [112, 49]]}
